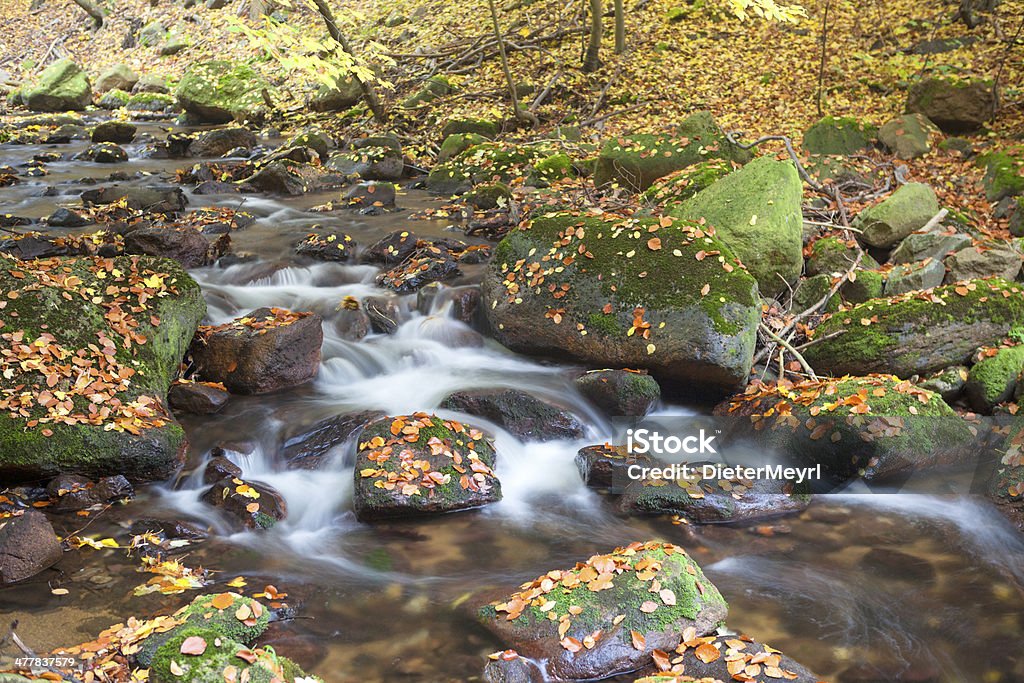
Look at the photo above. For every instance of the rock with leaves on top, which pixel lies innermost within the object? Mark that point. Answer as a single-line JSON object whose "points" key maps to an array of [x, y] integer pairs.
{"points": [[660, 294], [420, 464], [610, 614], [265, 351], [636, 161], [917, 333], [220, 91], [90, 347], [876, 427]]}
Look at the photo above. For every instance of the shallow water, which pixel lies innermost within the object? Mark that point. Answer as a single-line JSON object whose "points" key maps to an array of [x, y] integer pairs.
{"points": [[858, 588]]}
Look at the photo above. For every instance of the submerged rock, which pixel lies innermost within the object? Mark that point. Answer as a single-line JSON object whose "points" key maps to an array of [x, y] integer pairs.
{"points": [[308, 448], [626, 292], [917, 334], [416, 465], [714, 500], [185, 245], [1006, 487], [28, 545], [608, 615], [128, 336], [326, 247], [525, 416], [197, 398], [120, 132], [265, 351]]}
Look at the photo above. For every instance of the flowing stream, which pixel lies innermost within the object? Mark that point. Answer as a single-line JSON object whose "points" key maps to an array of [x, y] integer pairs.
{"points": [[858, 588]]}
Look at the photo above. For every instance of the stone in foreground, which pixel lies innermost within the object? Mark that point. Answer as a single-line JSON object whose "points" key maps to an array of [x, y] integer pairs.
{"points": [[664, 295], [416, 465], [606, 616], [89, 348], [28, 545]]}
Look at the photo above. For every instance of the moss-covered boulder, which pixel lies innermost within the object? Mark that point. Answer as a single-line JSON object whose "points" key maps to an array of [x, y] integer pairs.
{"points": [[865, 285], [838, 135], [522, 414], [415, 465], [433, 87], [876, 427], [484, 163], [62, 86], [916, 334], [221, 91], [757, 212], [550, 169], [901, 213], [948, 383], [662, 294], [90, 347], [993, 379], [372, 162], [909, 136], [812, 290], [113, 99], [202, 655], [686, 182], [117, 77], [456, 144], [636, 161], [954, 106], [342, 94], [153, 102], [481, 127], [714, 499], [1004, 175], [607, 615], [487, 196], [834, 256]]}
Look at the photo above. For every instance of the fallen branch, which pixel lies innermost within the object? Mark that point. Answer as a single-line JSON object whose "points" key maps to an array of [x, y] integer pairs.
{"points": [[789, 347]]}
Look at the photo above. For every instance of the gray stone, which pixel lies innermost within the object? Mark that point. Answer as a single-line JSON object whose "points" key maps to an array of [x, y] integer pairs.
{"points": [[909, 277], [923, 245], [983, 260]]}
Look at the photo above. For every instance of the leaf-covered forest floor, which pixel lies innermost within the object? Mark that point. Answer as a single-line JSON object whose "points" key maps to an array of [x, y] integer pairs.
{"points": [[755, 76]]}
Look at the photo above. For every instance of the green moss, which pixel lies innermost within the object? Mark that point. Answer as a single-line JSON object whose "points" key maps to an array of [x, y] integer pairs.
{"points": [[455, 145], [636, 281], [869, 285], [1004, 175], [881, 346], [686, 182], [481, 127], [435, 86], [991, 380], [220, 90], [205, 668], [201, 612], [550, 169], [605, 322], [838, 135]]}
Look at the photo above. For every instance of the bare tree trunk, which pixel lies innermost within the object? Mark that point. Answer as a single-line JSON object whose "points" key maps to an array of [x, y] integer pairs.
{"points": [[620, 27], [518, 111], [824, 47], [592, 59], [369, 94], [93, 11]]}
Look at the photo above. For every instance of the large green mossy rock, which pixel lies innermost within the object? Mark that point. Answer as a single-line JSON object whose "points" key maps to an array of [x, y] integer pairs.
{"points": [[686, 182], [90, 347], [876, 427], [221, 91], [661, 294], [62, 86], [901, 213], [993, 379], [417, 465], [756, 211], [636, 161], [917, 334], [1004, 175], [607, 615], [838, 135], [484, 163]]}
